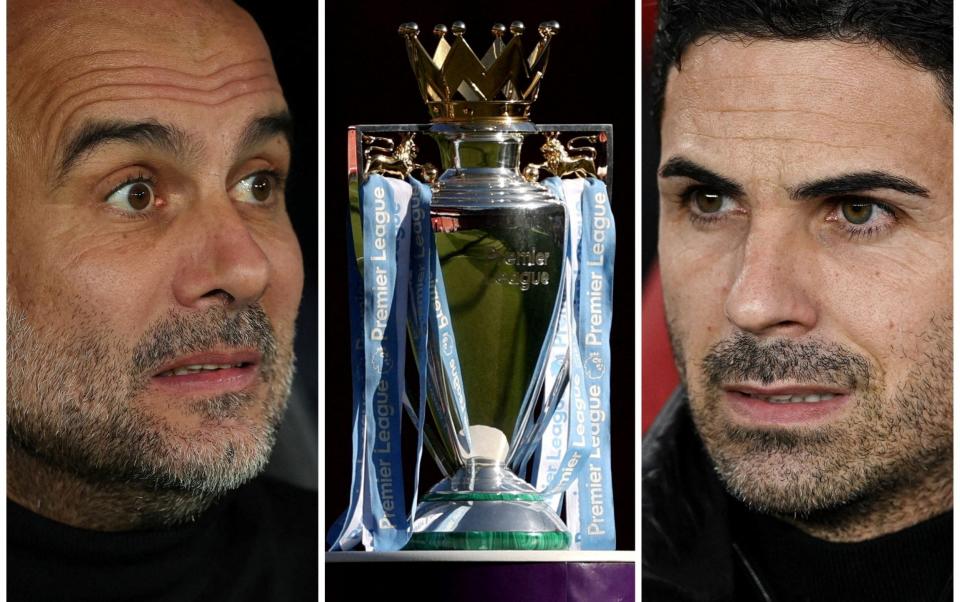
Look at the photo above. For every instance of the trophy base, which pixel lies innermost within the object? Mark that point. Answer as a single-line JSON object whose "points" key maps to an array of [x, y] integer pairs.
{"points": [[484, 506], [489, 540]]}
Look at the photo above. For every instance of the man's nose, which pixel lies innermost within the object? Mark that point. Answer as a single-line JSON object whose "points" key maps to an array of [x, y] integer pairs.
{"points": [[222, 264], [772, 294]]}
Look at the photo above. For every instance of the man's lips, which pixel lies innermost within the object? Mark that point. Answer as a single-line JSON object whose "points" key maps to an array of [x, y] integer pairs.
{"points": [[784, 404], [210, 361], [212, 372]]}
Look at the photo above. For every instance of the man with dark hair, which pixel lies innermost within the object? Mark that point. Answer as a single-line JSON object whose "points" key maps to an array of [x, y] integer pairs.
{"points": [[806, 253], [153, 280]]}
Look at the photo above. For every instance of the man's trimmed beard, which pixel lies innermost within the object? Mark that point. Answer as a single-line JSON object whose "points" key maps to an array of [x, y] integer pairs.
{"points": [[884, 441], [76, 400]]}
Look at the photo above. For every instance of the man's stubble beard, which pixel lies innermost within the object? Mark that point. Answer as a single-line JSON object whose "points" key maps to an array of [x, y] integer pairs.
{"points": [[885, 444], [76, 402]]}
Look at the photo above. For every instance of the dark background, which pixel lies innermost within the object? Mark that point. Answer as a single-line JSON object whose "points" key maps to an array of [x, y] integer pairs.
{"points": [[590, 79], [294, 51]]}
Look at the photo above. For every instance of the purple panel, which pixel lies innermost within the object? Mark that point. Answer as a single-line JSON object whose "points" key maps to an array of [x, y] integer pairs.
{"points": [[482, 581], [534, 582], [594, 581]]}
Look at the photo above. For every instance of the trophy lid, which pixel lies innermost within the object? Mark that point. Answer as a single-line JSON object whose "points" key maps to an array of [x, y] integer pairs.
{"points": [[458, 87]]}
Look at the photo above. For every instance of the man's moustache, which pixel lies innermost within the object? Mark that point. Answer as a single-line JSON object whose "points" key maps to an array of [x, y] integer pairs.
{"points": [[178, 334], [747, 358]]}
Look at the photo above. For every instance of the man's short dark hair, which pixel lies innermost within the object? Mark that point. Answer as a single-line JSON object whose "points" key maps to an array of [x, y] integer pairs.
{"points": [[918, 32]]}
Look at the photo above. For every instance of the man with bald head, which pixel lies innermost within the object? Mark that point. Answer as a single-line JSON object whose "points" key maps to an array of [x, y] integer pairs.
{"points": [[153, 280]]}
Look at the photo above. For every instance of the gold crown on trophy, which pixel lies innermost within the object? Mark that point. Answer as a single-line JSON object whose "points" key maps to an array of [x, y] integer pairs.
{"points": [[457, 86]]}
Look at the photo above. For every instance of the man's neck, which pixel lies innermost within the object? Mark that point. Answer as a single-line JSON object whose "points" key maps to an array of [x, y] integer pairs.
{"points": [[102, 506], [890, 509]]}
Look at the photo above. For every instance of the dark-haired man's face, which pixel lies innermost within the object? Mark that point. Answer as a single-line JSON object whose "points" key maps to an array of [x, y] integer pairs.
{"points": [[805, 243], [153, 275]]}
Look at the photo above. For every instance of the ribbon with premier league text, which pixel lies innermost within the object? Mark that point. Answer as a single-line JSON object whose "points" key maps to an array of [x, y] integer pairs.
{"points": [[386, 257], [589, 505], [594, 311], [377, 513]]}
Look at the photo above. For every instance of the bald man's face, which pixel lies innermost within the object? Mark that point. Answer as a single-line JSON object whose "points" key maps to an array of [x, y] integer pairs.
{"points": [[153, 275]]}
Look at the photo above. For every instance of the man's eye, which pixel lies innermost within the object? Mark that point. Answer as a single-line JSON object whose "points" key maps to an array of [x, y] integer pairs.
{"points": [[707, 201], [860, 218], [857, 212], [257, 188], [708, 204], [134, 196]]}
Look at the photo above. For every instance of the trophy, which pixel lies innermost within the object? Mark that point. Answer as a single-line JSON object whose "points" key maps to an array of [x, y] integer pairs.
{"points": [[501, 240]]}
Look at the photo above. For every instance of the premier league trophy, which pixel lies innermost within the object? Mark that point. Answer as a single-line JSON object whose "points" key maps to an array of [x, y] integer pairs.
{"points": [[493, 345]]}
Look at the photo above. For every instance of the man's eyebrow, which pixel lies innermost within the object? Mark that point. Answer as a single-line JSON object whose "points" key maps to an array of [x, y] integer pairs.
{"points": [[94, 134], [858, 182], [264, 128], [836, 185], [685, 168]]}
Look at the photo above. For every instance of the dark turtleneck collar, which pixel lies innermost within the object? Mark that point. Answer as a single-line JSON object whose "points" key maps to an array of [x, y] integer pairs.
{"points": [[912, 564], [257, 543]]}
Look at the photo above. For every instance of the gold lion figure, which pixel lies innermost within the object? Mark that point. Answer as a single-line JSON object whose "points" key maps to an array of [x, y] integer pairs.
{"points": [[561, 163], [382, 156]]}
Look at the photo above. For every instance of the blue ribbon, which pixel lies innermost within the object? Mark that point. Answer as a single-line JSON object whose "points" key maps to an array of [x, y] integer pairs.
{"points": [[441, 329], [422, 252], [583, 417], [594, 308], [385, 249]]}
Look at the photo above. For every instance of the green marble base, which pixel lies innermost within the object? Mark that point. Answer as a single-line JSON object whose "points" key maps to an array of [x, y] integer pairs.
{"points": [[490, 540]]}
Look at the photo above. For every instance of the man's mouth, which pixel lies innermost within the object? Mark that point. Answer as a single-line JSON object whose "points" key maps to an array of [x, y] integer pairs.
{"points": [[213, 372], [784, 404], [194, 368], [790, 398]]}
